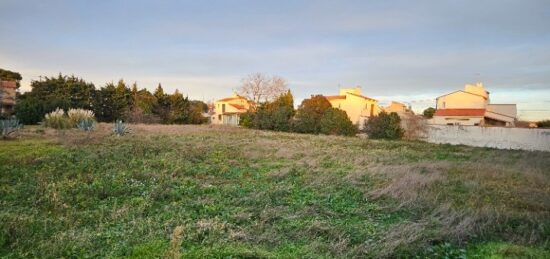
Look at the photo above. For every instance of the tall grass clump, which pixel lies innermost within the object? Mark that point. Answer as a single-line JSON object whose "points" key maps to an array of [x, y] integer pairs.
{"points": [[77, 116], [9, 126], [57, 120]]}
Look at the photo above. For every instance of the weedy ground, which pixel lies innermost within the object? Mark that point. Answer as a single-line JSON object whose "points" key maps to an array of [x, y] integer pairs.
{"points": [[204, 191]]}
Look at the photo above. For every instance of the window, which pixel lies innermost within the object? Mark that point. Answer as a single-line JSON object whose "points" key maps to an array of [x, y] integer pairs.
{"points": [[443, 105], [220, 117], [223, 108]]}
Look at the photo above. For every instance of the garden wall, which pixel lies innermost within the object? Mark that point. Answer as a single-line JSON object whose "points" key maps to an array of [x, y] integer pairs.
{"points": [[496, 137]]}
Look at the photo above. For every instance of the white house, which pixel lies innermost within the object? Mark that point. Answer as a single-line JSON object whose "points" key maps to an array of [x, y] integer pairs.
{"points": [[472, 106]]}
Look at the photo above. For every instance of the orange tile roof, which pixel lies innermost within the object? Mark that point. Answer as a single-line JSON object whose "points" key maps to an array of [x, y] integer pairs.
{"points": [[460, 112], [238, 106], [336, 97]]}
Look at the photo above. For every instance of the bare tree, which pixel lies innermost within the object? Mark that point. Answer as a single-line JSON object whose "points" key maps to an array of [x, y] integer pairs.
{"points": [[259, 87]]}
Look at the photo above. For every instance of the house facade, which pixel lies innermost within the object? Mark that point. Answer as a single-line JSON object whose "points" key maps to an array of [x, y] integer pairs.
{"points": [[472, 106], [399, 108], [8, 91], [358, 107], [227, 111]]}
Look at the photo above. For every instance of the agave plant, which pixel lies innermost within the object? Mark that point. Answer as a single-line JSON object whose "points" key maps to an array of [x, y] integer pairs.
{"points": [[9, 126], [120, 128], [86, 125]]}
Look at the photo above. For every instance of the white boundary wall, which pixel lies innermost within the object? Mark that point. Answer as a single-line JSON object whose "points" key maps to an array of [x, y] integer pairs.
{"points": [[496, 137]]}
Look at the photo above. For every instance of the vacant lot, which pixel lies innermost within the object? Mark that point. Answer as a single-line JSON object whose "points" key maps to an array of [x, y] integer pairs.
{"points": [[200, 191]]}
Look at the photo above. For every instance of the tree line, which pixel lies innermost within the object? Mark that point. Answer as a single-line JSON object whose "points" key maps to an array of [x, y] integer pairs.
{"points": [[111, 102]]}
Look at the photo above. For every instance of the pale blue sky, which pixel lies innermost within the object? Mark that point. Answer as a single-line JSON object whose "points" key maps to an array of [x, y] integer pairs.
{"points": [[409, 51]]}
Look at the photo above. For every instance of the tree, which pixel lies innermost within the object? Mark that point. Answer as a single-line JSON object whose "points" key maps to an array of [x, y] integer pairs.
{"points": [[309, 114], [179, 108], [51, 93], [384, 126], [29, 110], [162, 107], [259, 88], [337, 122], [543, 124], [112, 102], [141, 110], [197, 108], [429, 113], [275, 115]]}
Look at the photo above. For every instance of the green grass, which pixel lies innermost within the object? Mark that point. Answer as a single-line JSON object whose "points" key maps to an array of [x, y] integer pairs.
{"points": [[249, 194]]}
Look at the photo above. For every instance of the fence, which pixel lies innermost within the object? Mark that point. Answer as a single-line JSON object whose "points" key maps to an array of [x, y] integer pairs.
{"points": [[496, 137]]}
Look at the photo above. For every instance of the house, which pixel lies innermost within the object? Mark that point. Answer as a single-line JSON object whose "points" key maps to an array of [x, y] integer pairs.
{"points": [[472, 106], [358, 107], [228, 110], [399, 108], [7, 96]]}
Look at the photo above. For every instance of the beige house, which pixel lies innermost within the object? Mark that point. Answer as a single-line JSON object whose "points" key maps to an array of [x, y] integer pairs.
{"points": [[472, 106], [228, 110], [8, 91], [358, 107], [399, 108]]}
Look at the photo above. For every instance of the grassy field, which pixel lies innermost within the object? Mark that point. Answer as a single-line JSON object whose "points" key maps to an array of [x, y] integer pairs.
{"points": [[203, 191]]}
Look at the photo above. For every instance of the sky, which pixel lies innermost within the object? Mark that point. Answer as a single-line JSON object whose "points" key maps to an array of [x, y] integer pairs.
{"points": [[409, 51]]}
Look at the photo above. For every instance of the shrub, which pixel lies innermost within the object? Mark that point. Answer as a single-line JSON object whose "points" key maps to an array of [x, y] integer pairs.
{"points": [[57, 120], [9, 126], [247, 119], [76, 116], [275, 115], [86, 125], [543, 124], [384, 126], [29, 110], [120, 128], [429, 113], [336, 122], [309, 114]]}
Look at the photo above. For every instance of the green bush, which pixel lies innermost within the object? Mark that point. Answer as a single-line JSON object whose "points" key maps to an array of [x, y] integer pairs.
{"points": [[337, 122], [543, 124], [247, 120], [384, 126], [309, 115], [275, 115], [429, 113], [29, 110]]}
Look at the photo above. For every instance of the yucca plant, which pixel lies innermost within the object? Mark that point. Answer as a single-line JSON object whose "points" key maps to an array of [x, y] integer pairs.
{"points": [[120, 128], [86, 125], [9, 126]]}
